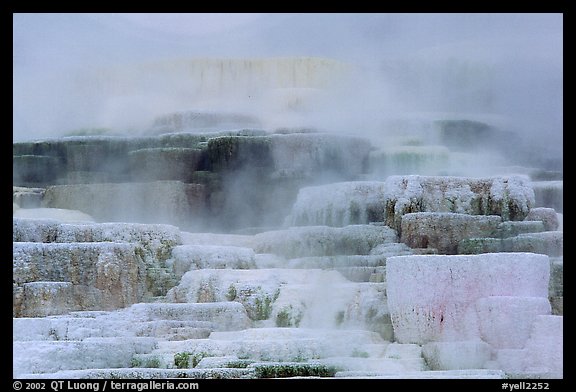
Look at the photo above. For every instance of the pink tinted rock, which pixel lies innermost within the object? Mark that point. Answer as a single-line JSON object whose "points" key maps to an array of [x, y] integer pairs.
{"points": [[505, 322], [432, 297]]}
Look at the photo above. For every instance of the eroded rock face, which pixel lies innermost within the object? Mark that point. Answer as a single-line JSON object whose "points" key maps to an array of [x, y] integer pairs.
{"points": [[550, 243], [444, 230], [152, 243], [547, 215], [157, 241], [94, 276], [508, 197], [557, 285], [514, 228], [41, 299]]}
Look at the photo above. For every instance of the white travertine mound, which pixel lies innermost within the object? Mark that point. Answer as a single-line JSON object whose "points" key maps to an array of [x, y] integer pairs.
{"points": [[545, 348], [278, 344], [153, 243], [268, 260], [223, 316], [392, 249], [264, 334], [546, 215], [444, 230], [255, 289], [289, 297], [104, 275], [340, 261], [474, 374], [68, 327], [454, 314], [397, 366], [52, 356], [228, 361], [261, 350], [26, 230], [156, 241], [323, 240], [57, 214], [146, 374], [79, 326], [505, 322], [397, 350], [432, 297], [339, 204], [509, 197], [550, 243], [542, 357], [329, 302], [196, 257], [217, 285], [346, 203], [513, 228]]}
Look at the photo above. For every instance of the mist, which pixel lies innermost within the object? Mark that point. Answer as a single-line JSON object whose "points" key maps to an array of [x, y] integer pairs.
{"points": [[288, 195], [503, 67]]}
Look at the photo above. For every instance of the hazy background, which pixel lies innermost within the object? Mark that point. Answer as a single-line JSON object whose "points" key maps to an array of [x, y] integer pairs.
{"points": [[504, 67]]}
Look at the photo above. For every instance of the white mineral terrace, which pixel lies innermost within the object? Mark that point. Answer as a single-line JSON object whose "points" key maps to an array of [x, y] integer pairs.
{"points": [[309, 271], [128, 300], [288, 196]]}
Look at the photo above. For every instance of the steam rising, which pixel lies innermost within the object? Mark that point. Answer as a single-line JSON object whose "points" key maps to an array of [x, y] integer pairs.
{"points": [[294, 224], [120, 71]]}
